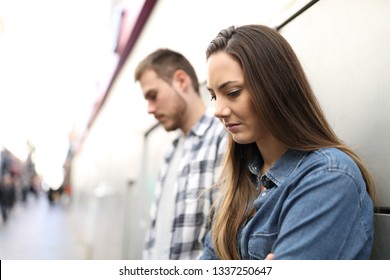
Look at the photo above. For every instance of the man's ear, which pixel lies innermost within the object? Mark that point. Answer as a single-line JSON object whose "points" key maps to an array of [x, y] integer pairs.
{"points": [[181, 78]]}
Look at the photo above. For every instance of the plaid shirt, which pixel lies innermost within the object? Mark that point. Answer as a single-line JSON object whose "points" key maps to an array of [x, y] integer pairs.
{"points": [[199, 167]]}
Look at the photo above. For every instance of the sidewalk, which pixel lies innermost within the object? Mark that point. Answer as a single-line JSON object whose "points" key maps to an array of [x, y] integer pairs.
{"points": [[39, 231]]}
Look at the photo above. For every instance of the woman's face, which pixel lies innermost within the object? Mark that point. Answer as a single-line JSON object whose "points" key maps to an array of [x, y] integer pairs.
{"points": [[233, 103]]}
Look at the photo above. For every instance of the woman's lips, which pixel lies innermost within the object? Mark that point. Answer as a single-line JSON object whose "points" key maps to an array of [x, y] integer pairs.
{"points": [[232, 127]]}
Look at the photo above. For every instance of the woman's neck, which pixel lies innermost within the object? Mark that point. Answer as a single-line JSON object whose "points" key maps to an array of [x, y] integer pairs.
{"points": [[271, 151]]}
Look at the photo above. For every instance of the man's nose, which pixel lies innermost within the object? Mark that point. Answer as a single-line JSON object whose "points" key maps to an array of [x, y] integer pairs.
{"points": [[151, 108]]}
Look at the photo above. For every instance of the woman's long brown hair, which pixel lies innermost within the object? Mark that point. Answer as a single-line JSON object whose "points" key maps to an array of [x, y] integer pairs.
{"points": [[285, 102]]}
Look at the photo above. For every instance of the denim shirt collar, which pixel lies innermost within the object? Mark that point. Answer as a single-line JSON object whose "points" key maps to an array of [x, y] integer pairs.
{"points": [[280, 171]]}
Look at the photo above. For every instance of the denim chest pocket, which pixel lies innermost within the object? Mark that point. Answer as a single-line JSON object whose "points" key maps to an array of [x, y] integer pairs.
{"points": [[260, 245]]}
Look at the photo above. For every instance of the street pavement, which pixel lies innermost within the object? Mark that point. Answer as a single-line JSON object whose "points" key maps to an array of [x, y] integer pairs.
{"points": [[37, 230]]}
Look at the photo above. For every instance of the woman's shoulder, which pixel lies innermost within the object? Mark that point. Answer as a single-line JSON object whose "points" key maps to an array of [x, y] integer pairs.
{"points": [[332, 159], [333, 155]]}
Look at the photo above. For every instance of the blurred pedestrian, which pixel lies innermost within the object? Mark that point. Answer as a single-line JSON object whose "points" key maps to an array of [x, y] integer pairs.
{"points": [[7, 195]]}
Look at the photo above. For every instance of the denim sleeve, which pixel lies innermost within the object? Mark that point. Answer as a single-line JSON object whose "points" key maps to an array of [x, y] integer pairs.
{"points": [[208, 252], [323, 217]]}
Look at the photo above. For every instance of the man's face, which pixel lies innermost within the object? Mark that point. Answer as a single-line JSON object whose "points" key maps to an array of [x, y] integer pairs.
{"points": [[164, 100]]}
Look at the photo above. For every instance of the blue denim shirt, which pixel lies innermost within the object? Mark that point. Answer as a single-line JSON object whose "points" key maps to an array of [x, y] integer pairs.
{"points": [[314, 206]]}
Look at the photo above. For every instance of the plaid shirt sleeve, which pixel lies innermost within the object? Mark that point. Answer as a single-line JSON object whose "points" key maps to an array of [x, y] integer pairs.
{"points": [[203, 155]]}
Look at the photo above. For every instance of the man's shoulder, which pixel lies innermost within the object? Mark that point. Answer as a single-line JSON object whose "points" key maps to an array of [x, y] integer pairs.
{"points": [[214, 123], [218, 128], [208, 126]]}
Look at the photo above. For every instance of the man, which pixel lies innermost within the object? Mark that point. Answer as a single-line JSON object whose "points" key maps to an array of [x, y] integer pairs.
{"points": [[179, 214]]}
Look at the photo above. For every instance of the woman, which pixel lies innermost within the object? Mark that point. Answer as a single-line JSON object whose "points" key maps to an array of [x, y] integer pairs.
{"points": [[290, 188]]}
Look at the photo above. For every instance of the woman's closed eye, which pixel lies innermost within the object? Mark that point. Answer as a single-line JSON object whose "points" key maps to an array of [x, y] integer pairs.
{"points": [[234, 93]]}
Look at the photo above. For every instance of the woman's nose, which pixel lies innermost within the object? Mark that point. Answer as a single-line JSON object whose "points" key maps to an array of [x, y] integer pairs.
{"points": [[221, 110]]}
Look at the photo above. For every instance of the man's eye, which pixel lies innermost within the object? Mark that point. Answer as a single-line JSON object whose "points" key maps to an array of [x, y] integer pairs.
{"points": [[151, 97], [213, 98]]}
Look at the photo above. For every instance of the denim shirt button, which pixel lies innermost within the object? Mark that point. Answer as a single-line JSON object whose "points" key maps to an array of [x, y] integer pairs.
{"points": [[264, 193]]}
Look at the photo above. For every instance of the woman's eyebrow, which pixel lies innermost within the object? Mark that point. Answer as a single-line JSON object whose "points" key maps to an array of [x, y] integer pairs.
{"points": [[223, 85]]}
